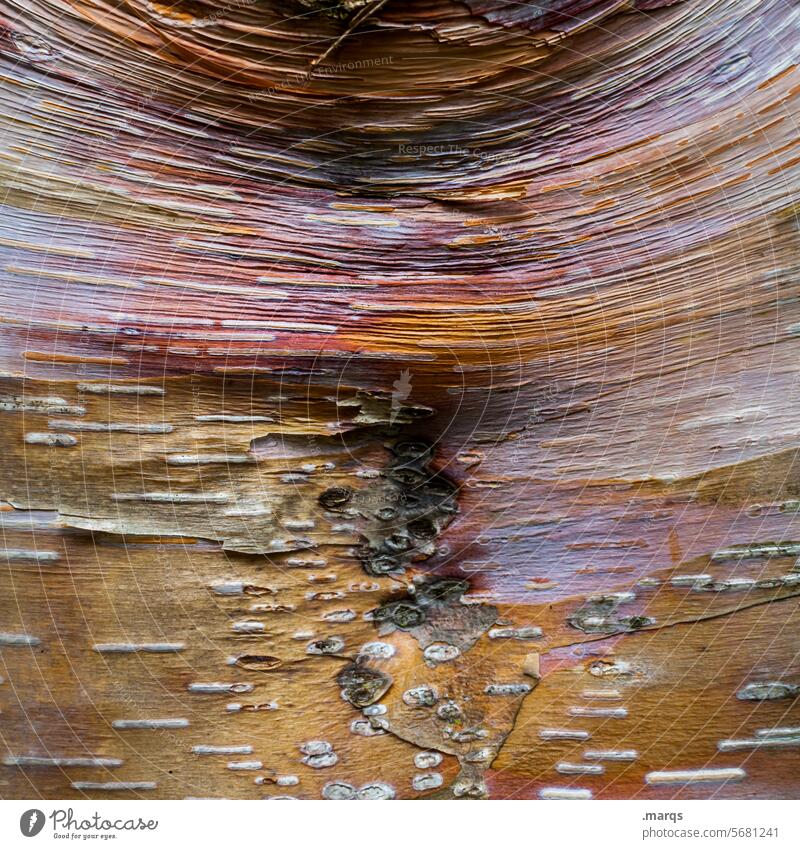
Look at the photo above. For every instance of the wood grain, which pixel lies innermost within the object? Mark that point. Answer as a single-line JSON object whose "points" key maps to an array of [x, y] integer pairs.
{"points": [[399, 400]]}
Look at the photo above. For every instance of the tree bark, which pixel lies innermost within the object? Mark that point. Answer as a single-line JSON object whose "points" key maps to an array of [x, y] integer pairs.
{"points": [[399, 400]]}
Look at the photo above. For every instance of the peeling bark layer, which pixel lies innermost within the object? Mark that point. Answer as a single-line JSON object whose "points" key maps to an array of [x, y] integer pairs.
{"points": [[399, 399]]}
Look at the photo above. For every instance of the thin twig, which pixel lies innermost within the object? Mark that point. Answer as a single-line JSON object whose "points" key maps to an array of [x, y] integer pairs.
{"points": [[357, 19]]}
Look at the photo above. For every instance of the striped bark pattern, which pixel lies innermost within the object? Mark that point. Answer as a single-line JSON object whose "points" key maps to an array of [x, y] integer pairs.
{"points": [[399, 399]]}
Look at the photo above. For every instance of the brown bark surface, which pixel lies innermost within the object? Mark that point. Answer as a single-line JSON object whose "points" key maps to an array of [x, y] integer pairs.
{"points": [[399, 400]]}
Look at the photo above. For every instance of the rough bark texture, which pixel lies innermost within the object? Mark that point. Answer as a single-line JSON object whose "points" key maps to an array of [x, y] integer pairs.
{"points": [[399, 399]]}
